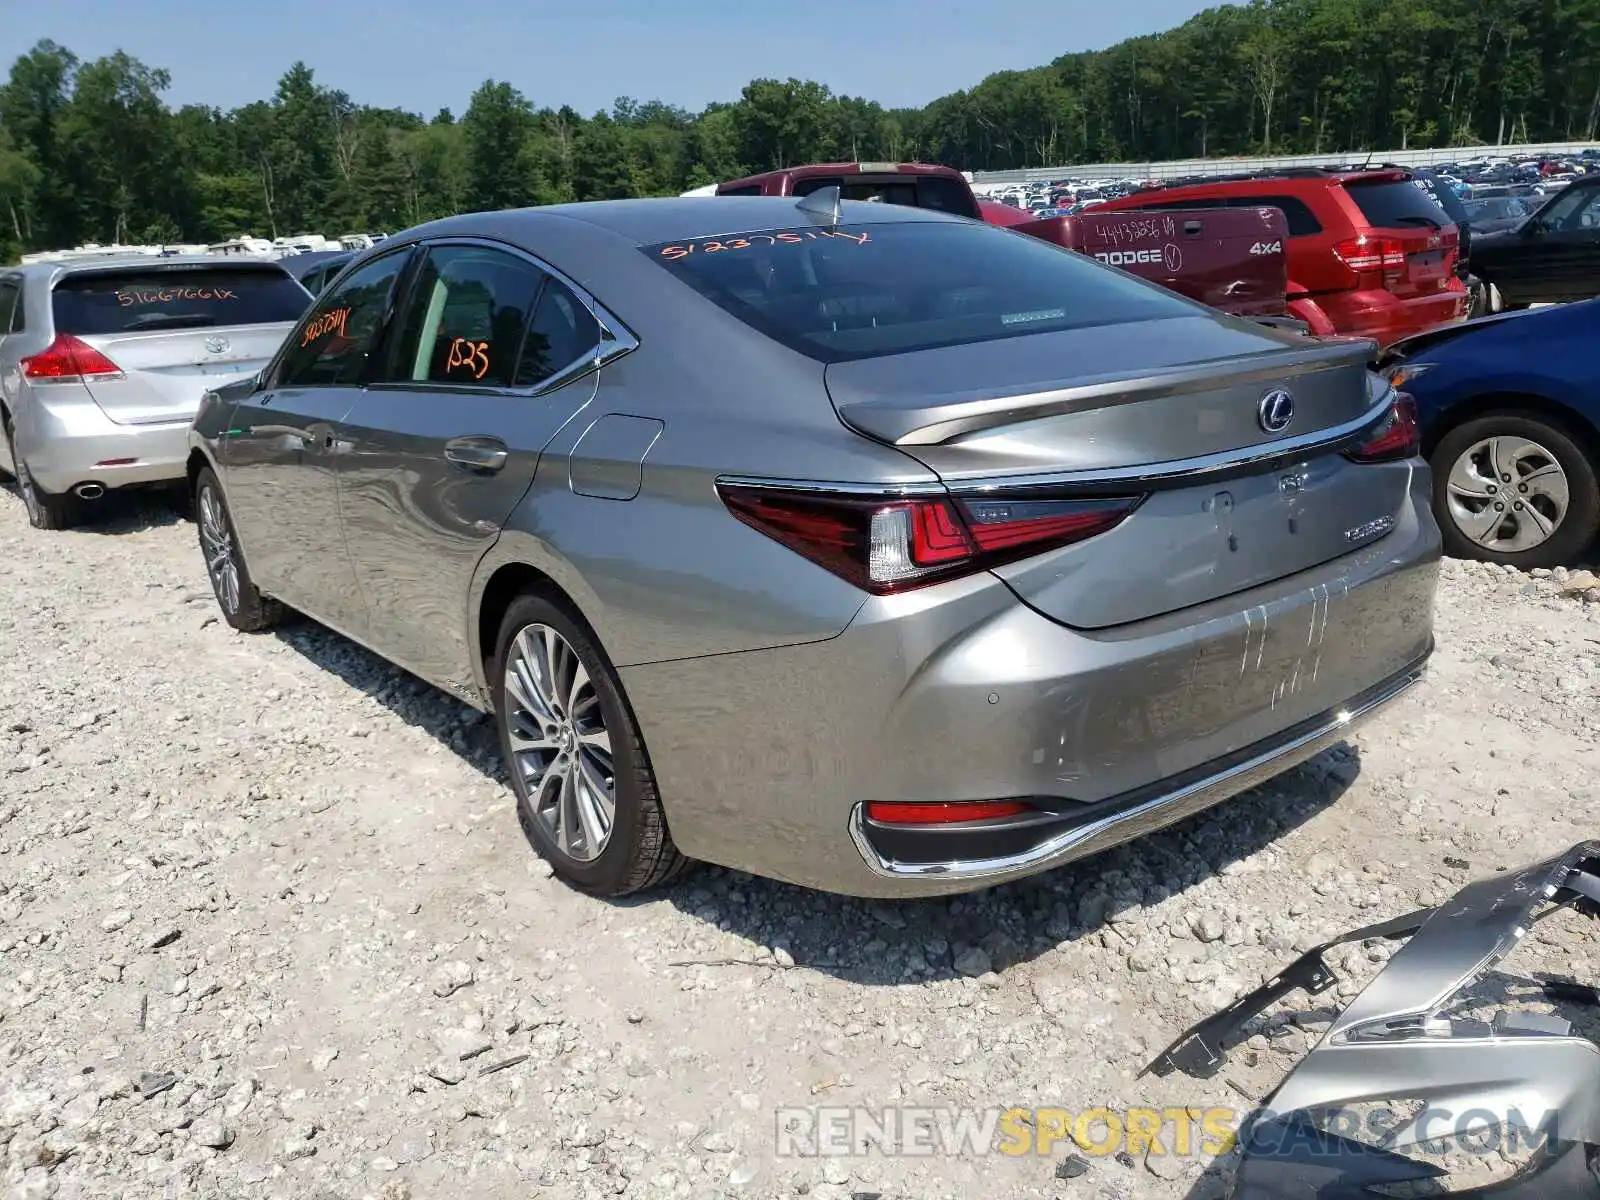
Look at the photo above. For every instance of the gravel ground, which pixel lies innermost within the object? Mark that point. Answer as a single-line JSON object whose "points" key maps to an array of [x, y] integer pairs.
{"points": [[268, 927]]}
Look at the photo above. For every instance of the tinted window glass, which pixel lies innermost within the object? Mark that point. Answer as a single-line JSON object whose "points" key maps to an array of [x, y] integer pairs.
{"points": [[1572, 209], [1397, 205], [751, 189], [1300, 219], [857, 291], [8, 302], [912, 191], [175, 298], [334, 344], [466, 317], [562, 332]]}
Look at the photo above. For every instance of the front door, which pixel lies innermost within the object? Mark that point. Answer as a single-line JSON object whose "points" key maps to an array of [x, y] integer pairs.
{"points": [[286, 443], [1574, 236], [490, 356]]}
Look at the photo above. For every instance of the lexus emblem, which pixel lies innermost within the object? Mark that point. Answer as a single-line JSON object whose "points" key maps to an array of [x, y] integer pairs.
{"points": [[1276, 410], [218, 345]]}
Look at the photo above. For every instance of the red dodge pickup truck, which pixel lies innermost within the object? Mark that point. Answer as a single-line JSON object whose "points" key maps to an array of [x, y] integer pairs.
{"points": [[1229, 258]]}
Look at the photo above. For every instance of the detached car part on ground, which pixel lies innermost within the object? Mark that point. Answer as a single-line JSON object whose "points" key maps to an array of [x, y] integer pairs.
{"points": [[856, 545], [1402, 1041], [1510, 413]]}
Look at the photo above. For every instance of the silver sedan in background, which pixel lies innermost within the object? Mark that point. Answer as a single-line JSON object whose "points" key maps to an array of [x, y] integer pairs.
{"points": [[865, 547], [103, 363]]}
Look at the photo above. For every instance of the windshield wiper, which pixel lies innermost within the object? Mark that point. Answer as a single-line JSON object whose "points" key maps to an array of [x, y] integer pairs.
{"points": [[171, 321]]}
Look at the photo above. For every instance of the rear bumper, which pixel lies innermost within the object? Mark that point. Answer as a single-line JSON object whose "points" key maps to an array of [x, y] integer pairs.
{"points": [[1122, 818], [67, 439], [1385, 317], [960, 692]]}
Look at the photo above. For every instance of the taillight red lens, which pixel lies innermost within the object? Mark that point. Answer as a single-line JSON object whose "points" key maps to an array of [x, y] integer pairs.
{"points": [[940, 812], [886, 544], [1400, 435], [68, 359], [1369, 253]]}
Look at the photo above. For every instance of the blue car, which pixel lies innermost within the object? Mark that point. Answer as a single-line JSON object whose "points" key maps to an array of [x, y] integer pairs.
{"points": [[1510, 412]]}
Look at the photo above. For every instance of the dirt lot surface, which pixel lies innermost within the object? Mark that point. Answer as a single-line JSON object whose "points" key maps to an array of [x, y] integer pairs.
{"points": [[268, 927]]}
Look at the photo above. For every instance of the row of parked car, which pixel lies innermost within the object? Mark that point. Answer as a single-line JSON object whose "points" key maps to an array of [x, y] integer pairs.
{"points": [[865, 545]]}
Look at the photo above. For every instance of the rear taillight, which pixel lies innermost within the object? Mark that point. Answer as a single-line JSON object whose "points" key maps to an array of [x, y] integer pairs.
{"points": [[1369, 255], [68, 360], [1400, 435], [886, 544]]}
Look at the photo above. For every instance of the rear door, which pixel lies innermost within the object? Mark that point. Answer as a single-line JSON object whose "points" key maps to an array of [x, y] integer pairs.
{"points": [[1568, 245], [175, 331], [1401, 212], [283, 452], [492, 355]]}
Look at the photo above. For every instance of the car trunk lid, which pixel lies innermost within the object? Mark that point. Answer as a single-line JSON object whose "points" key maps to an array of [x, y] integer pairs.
{"points": [[173, 333], [1176, 411]]}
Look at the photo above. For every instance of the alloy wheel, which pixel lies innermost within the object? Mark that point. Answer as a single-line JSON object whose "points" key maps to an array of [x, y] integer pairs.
{"points": [[216, 540], [560, 746], [1507, 494]]}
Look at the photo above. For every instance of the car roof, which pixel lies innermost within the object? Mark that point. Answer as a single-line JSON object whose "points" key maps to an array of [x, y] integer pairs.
{"points": [[677, 218]]}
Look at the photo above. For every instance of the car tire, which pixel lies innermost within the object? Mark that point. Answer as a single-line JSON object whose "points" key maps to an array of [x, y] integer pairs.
{"points": [[46, 510], [1462, 464], [565, 709], [243, 605]]}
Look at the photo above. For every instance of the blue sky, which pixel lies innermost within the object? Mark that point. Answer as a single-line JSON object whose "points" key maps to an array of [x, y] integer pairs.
{"points": [[424, 55]]}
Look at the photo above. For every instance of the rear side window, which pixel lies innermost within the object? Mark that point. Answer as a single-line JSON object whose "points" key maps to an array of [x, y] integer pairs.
{"points": [[749, 189], [175, 298], [464, 322], [8, 303], [860, 291], [1302, 222], [1397, 204]]}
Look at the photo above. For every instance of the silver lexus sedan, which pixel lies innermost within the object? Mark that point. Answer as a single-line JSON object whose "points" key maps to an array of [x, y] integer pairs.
{"points": [[865, 547]]}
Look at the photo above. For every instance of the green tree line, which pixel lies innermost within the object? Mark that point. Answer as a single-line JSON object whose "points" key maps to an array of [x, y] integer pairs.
{"points": [[92, 151]]}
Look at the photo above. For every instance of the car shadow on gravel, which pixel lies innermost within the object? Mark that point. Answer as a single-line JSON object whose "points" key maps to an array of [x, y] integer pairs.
{"points": [[891, 943], [118, 514], [463, 730]]}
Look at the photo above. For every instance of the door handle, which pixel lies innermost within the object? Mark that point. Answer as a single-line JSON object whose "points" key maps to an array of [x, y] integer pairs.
{"points": [[478, 453]]}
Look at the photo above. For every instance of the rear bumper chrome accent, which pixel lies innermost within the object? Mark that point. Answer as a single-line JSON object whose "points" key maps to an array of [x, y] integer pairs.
{"points": [[1154, 812]]}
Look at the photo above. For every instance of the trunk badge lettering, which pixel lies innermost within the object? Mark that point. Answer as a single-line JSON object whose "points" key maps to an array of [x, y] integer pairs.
{"points": [[1370, 530], [1276, 410], [218, 345]]}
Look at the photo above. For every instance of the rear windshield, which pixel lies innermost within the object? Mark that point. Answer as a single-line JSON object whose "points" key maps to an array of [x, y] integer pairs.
{"points": [[176, 298], [938, 192], [860, 291], [1397, 204]]}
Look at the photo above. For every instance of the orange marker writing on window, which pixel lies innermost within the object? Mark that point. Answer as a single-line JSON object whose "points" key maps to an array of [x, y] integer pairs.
{"points": [[328, 322], [473, 356]]}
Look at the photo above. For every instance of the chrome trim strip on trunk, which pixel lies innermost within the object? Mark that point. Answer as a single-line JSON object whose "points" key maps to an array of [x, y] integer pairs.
{"points": [[1181, 472], [1154, 813]]}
